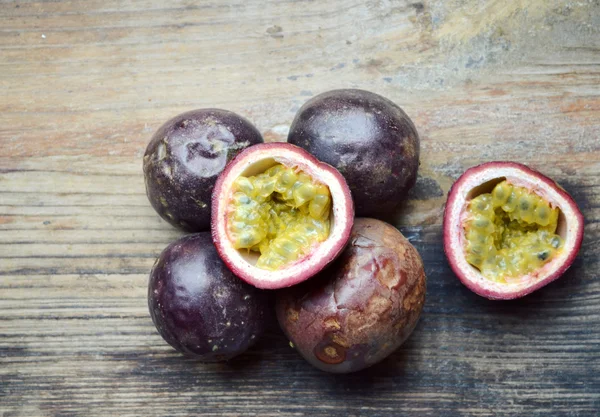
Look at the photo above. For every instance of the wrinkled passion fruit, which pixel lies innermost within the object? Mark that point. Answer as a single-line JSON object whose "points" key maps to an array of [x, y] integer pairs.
{"points": [[362, 307], [199, 307], [509, 230], [184, 158], [368, 138], [280, 215]]}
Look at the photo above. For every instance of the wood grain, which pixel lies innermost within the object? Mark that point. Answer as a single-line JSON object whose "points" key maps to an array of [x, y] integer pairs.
{"points": [[84, 84]]}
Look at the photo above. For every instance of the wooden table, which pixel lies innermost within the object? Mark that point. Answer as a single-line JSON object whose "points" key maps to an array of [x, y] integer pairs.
{"points": [[84, 84]]}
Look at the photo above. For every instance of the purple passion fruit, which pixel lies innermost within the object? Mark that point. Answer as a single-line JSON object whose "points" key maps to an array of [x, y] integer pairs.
{"points": [[509, 230], [199, 307], [279, 215], [184, 158], [362, 307], [368, 138]]}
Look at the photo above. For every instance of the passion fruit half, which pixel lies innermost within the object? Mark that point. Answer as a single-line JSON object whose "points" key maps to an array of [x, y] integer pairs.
{"points": [[279, 215], [509, 230]]}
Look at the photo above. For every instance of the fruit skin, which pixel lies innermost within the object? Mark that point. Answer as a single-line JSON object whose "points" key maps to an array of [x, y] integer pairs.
{"points": [[364, 305], [524, 176], [304, 268], [368, 138], [199, 307], [185, 157]]}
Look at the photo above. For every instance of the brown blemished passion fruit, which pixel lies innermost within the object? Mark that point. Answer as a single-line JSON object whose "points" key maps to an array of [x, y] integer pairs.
{"points": [[509, 230], [362, 307], [279, 215]]}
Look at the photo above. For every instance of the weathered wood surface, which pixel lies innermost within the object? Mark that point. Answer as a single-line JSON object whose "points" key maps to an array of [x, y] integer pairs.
{"points": [[83, 85]]}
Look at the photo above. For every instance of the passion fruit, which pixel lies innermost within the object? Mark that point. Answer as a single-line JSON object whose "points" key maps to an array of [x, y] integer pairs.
{"points": [[184, 158], [360, 308], [368, 138], [280, 215], [509, 230], [199, 307]]}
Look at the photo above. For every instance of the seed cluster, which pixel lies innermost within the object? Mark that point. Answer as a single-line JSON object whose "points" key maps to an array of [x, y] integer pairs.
{"points": [[510, 232], [280, 213]]}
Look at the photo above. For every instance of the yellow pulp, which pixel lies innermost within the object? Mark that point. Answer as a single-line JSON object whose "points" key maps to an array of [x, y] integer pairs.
{"points": [[510, 232], [280, 213]]}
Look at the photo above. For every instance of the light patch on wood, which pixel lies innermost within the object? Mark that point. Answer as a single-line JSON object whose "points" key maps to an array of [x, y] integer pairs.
{"points": [[471, 18]]}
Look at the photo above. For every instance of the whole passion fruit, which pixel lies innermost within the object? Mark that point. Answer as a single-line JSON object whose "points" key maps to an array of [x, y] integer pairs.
{"points": [[368, 138], [184, 158], [279, 215], [362, 307], [199, 307], [509, 230]]}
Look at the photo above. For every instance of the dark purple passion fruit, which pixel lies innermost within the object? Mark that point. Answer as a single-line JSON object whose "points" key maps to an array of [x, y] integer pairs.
{"points": [[368, 138], [199, 307], [185, 157], [362, 307]]}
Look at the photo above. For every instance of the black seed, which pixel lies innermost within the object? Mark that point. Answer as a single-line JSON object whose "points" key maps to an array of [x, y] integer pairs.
{"points": [[542, 256], [482, 205], [482, 223], [524, 205], [555, 242], [476, 261], [477, 250], [542, 213]]}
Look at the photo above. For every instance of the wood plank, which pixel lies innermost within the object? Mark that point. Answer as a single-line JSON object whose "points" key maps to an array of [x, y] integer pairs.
{"points": [[84, 85]]}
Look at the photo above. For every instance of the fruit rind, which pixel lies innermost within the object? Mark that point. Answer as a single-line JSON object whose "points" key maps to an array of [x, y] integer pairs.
{"points": [[522, 175], [304, 268]]}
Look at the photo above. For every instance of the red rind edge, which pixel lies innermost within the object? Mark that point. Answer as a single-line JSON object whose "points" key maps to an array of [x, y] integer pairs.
{"points": [[447, 232], [303, 156]]}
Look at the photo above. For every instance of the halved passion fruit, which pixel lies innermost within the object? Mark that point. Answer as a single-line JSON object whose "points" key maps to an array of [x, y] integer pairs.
{"points": [[280, 215], [509, 230]]}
